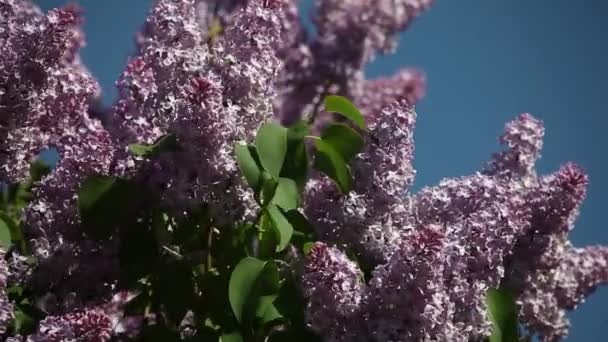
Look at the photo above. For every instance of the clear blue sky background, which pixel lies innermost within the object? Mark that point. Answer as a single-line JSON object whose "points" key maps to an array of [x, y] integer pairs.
{"points": [[486, 61]]}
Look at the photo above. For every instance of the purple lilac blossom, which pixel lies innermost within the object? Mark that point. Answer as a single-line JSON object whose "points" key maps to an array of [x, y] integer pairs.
{"points": [[6, 307], [334, 287], [349, 35], [45, 94], [432, 255], [86, 326], [210, 94], [504, 227], [370, 217]]}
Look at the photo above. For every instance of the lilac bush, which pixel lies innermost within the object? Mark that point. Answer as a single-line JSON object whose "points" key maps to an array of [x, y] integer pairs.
{"points": [[232, 192]]}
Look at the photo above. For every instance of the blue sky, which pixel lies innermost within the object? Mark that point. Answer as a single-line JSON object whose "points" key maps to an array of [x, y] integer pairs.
{"points": [[486, 61]]}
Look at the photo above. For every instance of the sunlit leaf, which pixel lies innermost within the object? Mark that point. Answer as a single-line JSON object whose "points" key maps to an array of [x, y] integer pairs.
{"points": [[343, 139], [271, 145], [245, 156], [163, 144], [503, 313], [330, 162], [341, 105]]}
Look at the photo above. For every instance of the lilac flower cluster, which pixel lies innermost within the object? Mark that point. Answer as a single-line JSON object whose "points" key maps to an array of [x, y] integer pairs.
{"points": [[209, 92], [505, 227], [210, 73]]}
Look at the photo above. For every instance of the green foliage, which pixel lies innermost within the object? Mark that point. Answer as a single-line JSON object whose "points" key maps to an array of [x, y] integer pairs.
{"points": [[249, 165], [104, 203], [163, 144], [242, 284], [13, 199], [343, 140], [503, 313], [341, 105], [271, 146], [228, 276], [281, 226]]}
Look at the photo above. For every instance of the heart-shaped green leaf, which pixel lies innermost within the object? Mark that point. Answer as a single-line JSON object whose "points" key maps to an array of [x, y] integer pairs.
{"points": [[330, 162], [271, 145], [246, 158], [286, 194], [343, 139], [283, 228], [242, 284], [341, 105]]}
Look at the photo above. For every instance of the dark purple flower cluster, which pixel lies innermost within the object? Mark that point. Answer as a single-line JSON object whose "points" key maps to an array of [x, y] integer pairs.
{"points": [[210, 73]]}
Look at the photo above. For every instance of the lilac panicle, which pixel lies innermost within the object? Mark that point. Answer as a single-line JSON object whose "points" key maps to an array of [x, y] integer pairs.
{"points": [[44, 89], [44, 94], [6, 307], [407, 85], [210, 94], [543, 256], [369, 217], [44, 100], [407, 298], [524, 140], [349, 35], [334, 288], [87, 326]]}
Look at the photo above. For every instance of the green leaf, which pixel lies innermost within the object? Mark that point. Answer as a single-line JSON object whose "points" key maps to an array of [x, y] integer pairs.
{"points": [[267, 238], [242, 284], [266, 311], [38, 169], [271, 145], [283, 228], [503, 313], [246, 158], [234, 337], [343, 139], [93, 190], [105, 202], [174, 286], [269, 187], [304, 233], [300, 222], [341, 105], [22, 192], [298, 130], [296, 160], [330, 162], [14, 230], [5, 235], [286, 194], [307, 247], [23, 323], [163, 144]]}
